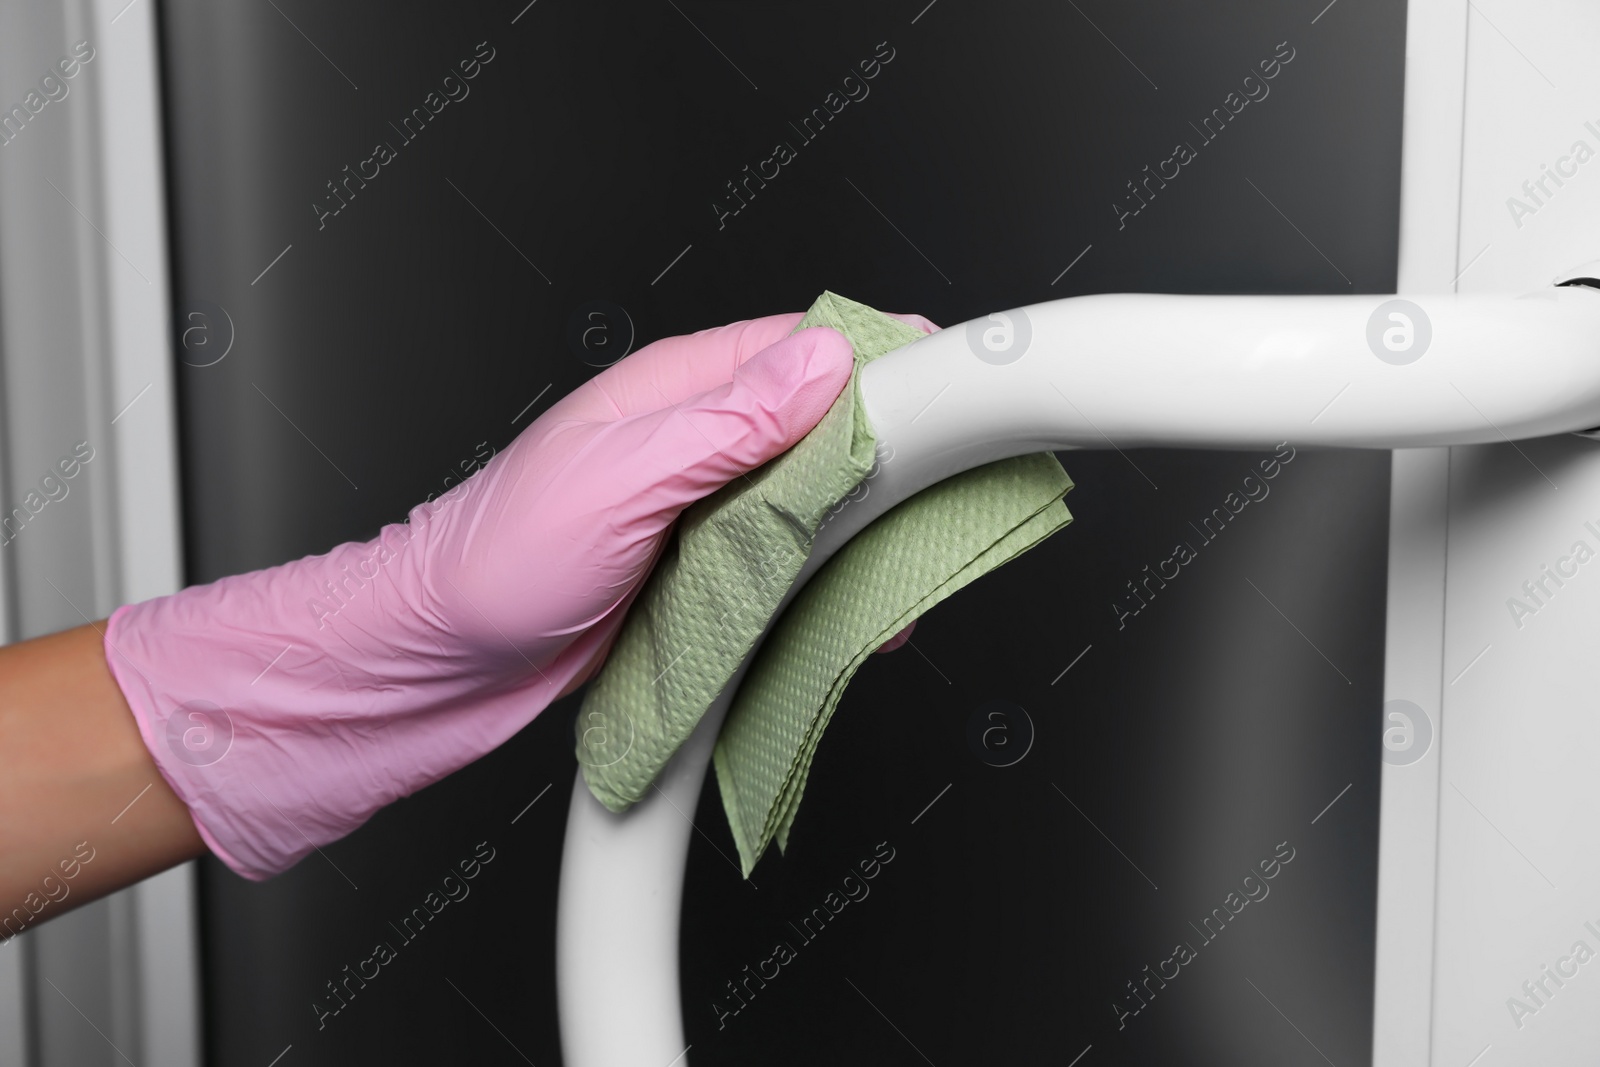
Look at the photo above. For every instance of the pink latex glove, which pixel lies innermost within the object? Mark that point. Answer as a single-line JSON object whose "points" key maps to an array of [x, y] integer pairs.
{"points": [[286, 706]]}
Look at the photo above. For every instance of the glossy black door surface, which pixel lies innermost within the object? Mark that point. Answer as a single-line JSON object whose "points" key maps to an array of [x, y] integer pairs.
{"points": [[422, 224]]}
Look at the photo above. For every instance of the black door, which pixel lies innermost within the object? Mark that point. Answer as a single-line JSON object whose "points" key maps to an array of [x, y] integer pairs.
{"points": [[403, 252]]}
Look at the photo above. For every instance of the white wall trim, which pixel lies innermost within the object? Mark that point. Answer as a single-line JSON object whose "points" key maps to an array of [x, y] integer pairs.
{"points": [[86, 348]]}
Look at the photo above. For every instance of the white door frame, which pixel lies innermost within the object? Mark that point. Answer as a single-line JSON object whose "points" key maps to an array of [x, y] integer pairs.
{"points": [[86, 352]]}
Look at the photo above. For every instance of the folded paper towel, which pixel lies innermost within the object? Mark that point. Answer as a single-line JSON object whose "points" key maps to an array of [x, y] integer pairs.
{"points": [[902, 564], [732, 559], [720, 579]]}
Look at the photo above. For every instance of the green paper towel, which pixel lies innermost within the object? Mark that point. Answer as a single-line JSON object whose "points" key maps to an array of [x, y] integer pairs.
{"points": [[731, 560], [902, 564], [720, 578]]}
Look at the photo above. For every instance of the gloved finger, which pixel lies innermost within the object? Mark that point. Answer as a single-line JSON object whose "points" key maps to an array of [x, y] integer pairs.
{"points": [[657, 463], [673, 369], [898, 639], [915, 320]]}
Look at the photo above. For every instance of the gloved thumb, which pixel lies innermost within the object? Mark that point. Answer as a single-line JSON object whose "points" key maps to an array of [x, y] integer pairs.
{"points": [[773, 400]]}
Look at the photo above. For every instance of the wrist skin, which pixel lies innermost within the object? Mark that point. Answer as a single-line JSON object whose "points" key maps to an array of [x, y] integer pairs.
{"points": [[84, 810]]}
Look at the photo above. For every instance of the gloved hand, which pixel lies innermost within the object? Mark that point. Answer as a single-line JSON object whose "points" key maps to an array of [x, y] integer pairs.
{"points": [[287, 705]]}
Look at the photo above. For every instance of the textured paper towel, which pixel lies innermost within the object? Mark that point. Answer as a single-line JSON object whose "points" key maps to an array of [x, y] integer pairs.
{"points": [[731, 560], [720, 578], [906, 561]]}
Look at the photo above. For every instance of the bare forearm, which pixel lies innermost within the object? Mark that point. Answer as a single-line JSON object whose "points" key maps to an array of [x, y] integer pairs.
{"points": [[83, 809]]}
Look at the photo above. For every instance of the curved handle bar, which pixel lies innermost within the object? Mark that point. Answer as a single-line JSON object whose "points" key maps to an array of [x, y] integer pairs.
{"points": [[1118, 370]]}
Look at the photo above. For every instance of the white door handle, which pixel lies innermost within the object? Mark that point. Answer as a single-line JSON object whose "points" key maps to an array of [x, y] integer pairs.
{"points": [[1122, 370]]}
